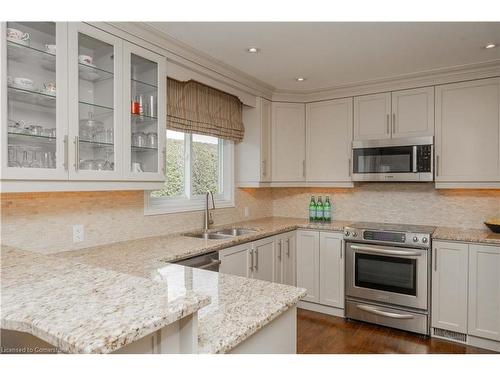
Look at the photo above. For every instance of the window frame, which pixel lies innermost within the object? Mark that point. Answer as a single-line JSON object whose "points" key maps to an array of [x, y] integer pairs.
{"points": [[189, 202]]}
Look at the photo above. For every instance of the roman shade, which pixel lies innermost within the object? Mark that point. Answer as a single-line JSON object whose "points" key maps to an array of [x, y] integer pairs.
{"points": [[196, 108]]}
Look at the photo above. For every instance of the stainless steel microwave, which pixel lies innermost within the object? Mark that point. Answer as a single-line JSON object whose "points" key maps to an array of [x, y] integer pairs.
{"points": [[405, 159]]}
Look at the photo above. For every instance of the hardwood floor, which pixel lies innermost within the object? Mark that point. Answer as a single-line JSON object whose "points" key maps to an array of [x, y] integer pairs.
{"points": [[324, 334]]}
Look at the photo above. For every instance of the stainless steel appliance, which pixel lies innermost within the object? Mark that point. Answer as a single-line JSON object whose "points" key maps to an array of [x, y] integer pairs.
{"points": [[388, 275], [404, 159], [208, 261]]}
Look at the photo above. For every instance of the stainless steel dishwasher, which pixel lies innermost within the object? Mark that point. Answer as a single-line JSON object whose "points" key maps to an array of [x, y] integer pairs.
{"points": [[208, 261]]}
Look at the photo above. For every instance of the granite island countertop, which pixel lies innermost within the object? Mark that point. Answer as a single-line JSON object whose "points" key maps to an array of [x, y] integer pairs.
{"points": [[80, 308]]}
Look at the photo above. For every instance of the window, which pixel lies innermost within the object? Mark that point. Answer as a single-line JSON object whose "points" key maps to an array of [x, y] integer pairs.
{"points": [[195, 164]]}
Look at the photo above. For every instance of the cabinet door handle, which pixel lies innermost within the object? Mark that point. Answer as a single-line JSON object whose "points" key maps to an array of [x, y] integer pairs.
{"points": [[77, 153], [437, 165], [342, 249], [65, 153], [288, 248], [280, 243], [349, 167], [256, 259], [435, 260], [164, 153], [393, 123], [251, 259], [303, 168], [388, 124], [264, 171]]}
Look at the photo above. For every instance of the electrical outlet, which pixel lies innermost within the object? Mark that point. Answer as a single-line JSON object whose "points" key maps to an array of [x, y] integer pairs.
{"points": [[78, 233], [247, 211]]}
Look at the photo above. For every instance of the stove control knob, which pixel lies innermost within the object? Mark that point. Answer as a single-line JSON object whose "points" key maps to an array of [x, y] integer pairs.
{"points": [[415, 239], [354, 234], [346, 233], [424, 240]]}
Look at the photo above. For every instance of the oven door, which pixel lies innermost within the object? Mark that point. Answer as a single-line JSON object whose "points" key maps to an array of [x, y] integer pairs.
{"points": [[387, 274]]}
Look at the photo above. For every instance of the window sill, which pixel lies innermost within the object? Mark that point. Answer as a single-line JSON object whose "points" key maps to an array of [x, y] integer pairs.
{"points": [[184, 206]]}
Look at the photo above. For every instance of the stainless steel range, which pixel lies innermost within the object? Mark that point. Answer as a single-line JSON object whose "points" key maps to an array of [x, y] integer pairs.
{"points": [[388, 275]]}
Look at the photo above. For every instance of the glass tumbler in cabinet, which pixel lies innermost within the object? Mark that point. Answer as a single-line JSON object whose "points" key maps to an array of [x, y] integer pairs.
{"points": [[144, 103], [33, 98], [95, 100]]}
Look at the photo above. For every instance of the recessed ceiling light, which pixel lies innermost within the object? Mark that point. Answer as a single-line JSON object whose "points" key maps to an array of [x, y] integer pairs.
{"points": [[490, 45], [300, 79], [252, 50]]}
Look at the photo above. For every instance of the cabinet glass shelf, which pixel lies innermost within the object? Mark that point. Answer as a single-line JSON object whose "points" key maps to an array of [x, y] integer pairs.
{"points": [[96, 109], [141, 120], [141, 149], [141, 87], [19, 52], [93, 73], [95, 144], [20, 138], [31, 97]]}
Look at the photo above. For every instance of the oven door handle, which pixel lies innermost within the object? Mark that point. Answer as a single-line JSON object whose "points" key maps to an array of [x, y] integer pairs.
{"points": [[386, 314], [374, 250]]}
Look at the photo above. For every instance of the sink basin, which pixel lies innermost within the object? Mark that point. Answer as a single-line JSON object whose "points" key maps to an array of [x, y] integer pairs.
{"points": [[210, 236], [234, 232]]}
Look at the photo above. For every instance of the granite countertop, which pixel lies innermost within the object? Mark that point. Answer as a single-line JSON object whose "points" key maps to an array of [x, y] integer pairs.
{"points": [[101, 286], [80, 308]]}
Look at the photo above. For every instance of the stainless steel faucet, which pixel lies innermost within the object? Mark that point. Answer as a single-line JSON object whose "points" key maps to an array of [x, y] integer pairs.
{"points": [[208, 215]]}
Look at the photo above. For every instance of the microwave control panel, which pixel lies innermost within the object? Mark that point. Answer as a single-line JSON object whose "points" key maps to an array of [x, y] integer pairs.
{"points": [[424, 158]]}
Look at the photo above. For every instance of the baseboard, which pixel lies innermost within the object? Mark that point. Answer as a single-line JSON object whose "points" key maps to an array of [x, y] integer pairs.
{"points": [[329, 310], [464, 339]]}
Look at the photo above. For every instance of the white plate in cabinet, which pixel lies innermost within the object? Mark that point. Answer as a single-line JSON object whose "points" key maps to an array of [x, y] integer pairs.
{"points": [[449, 286], [484, 291], [372, 116], [328, 140], [413, 113]]}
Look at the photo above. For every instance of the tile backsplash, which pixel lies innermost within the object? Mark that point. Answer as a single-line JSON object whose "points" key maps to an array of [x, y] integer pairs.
{"points": [[43, 221], [409, 203]]}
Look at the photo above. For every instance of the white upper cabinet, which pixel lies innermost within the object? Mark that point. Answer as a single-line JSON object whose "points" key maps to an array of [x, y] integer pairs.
{"points": [[145, 123], [449, 286], [413, 113], [372, 116], [328, 140], [288, 142], [253, 154], [95, 103], [33, 100], [484, 291], [468, 132]]}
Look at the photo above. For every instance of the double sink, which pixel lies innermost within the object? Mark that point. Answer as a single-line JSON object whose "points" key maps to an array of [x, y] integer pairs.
{"points": [[222, 234]]}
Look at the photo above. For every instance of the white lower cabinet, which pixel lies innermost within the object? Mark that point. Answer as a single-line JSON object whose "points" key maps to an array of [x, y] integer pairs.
{"points": [[284, 259], [449, 286], [236, 260], [308, 264], [331, 269], [484, 292], [259, 259], [320, 267]]}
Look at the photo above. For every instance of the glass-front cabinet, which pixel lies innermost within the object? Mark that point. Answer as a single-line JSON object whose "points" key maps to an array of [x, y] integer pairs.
{"points": [[144, 124], [82, 105], [33, 100], [95, 91]]}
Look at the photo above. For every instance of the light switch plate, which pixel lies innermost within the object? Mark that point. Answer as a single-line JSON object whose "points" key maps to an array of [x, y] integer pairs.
{"points": [[78, 233], [247, 211]]}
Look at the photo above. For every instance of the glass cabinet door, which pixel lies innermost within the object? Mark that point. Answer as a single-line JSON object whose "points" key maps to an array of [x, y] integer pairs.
{"points": [[144, 103], [34, 100], [95, 103]]}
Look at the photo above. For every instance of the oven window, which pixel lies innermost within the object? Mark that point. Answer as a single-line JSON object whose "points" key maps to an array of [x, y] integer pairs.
{"points": [[383, 160], [398, 275]]}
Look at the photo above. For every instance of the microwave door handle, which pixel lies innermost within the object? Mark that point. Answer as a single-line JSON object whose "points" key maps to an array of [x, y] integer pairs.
{"points": [[374, 250], [414, 159]]}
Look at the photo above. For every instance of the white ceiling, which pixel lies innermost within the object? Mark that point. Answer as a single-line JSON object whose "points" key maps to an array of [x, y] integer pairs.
{"points": [[336, 54]]}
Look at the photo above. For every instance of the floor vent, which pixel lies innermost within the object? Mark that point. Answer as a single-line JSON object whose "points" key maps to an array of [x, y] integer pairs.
{"points": [[450, 335]]}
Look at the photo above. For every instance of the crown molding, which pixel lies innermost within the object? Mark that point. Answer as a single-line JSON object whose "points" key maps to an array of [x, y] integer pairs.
{"points": [[184, 55], [413, 80]]}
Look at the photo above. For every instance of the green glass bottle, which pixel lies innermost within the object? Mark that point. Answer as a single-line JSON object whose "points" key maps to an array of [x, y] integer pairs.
{"points": [[312, 209], [327, 210], [319, 210]]}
